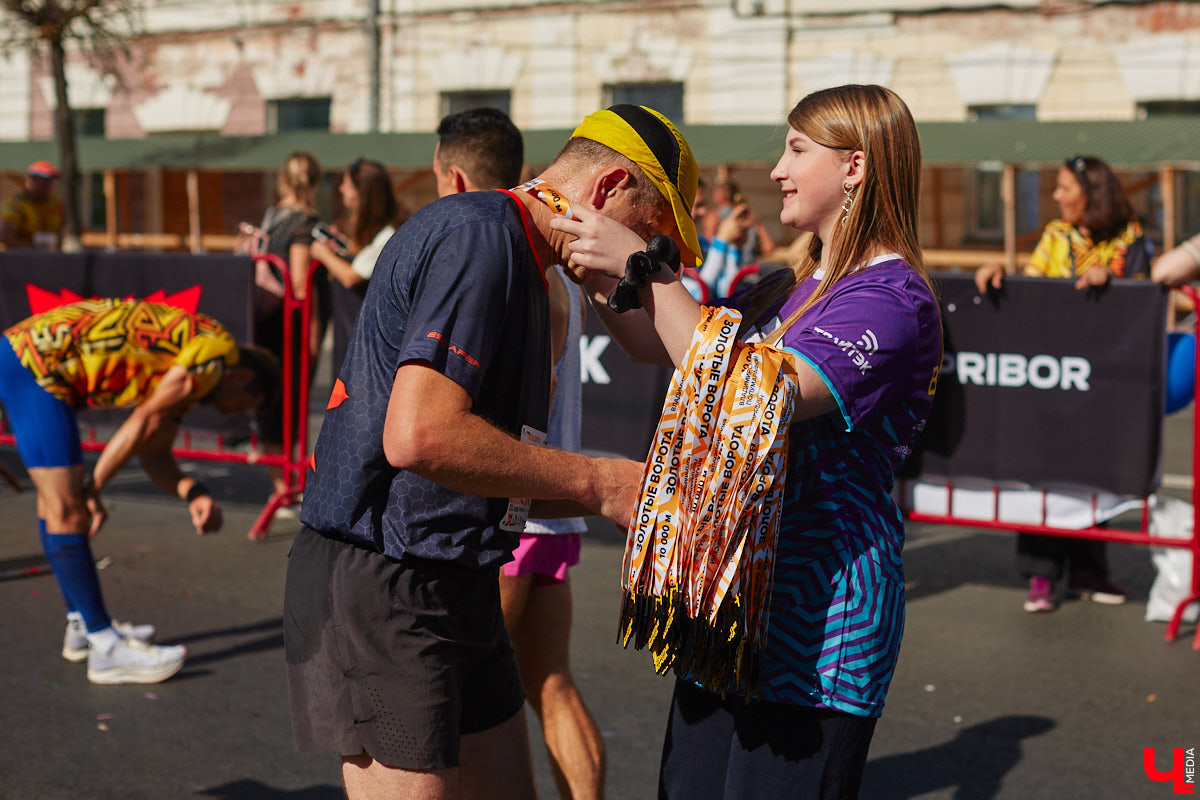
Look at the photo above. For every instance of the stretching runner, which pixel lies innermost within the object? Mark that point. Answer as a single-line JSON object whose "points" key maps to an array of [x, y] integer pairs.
{"points": [[115, 354]]}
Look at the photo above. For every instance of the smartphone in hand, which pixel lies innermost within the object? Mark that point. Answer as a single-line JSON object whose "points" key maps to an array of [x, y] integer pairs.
{"points": [[332, 239]]}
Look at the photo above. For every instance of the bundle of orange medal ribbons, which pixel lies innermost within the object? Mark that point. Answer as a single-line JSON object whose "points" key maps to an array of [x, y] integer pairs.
{"points": [[701, 549]]}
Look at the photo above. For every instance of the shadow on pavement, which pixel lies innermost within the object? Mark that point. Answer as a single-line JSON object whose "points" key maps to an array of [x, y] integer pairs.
{"points": [[253, 790], [23, 566], [272, 624], [273, 640], [974, 763]]}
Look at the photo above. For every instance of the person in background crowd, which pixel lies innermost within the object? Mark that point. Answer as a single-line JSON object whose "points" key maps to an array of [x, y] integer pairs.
{"points": [[477, 149], [727, 200], [34, 216], [1179, 265], [1096, 238], [111, 354], [482, 149], [371, 217], [723, 260], [699, 211], [398, 658], [850, 174], [286, 231]]}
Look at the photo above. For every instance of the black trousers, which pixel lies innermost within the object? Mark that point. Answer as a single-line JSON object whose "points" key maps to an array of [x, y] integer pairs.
{"points": [[729, 750]]}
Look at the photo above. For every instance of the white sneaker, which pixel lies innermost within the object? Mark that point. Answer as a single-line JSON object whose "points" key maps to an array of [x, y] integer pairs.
{"points": [[75, 641], [132, 661]]}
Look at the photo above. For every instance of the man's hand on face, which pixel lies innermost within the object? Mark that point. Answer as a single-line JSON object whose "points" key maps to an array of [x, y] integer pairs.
{"points": [[601, 245]]}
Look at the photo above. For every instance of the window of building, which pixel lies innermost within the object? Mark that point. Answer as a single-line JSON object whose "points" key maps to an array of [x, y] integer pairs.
{"points": [[454, 102], [298, 114], [665, 98], [89, 121], [1157, 109], [985, 184], [1026, 111]]}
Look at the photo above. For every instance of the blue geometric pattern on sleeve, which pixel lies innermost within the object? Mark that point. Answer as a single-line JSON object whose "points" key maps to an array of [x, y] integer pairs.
{"points": [[837, 603]]}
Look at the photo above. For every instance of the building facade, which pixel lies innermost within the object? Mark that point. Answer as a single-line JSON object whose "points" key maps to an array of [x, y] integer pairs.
{"points": [[260, 67]]}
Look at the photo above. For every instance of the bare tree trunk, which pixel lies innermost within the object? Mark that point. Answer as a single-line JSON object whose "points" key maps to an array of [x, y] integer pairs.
{"points": [[64, 133]]}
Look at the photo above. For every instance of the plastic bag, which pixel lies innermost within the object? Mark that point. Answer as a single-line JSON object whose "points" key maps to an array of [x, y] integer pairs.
{"points": [[1170, 518]]}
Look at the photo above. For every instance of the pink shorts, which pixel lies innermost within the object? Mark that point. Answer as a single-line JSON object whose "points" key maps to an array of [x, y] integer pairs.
{"points": [[546, 555]]}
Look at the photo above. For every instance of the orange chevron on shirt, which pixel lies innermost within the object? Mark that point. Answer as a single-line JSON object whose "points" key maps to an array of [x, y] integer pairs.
{"points": [[338, 395]]}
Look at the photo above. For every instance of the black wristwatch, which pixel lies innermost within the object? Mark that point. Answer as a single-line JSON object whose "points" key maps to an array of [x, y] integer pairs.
{"points": [[197, 489], [639, 267]]}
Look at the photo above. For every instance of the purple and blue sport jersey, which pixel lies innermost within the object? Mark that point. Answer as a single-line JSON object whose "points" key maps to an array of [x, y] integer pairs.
{"points": [[837, 603], [457, 289]]}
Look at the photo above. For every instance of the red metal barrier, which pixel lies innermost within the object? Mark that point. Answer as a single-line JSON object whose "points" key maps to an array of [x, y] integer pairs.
{"points": [[748, 271], [1141, 536], [293, 460]]}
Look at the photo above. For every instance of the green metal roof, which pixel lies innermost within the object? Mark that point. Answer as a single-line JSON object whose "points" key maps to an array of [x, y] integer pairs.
{"points": [[1144, 143], [1126, 144]]}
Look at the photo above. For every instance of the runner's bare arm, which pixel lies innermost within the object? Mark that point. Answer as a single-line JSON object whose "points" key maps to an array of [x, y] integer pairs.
{"points": [[160, 465], [149, 431], [139, 428], [633, 331], [430, 430]]}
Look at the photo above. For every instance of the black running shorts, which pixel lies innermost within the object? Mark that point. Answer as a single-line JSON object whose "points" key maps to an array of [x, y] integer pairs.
{"points": [[393, 659]]}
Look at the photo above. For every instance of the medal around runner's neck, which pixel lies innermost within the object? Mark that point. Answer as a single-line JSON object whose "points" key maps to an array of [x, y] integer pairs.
{"points": [[555, 200]]}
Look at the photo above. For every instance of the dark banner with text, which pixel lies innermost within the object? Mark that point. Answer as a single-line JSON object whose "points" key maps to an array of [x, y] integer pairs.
{"points": [[621, 400], [1044, 384]]}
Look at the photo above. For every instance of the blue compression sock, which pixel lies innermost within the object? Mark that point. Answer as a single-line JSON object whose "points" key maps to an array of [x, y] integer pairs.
{"points": [[70, 557], [46, 549]]}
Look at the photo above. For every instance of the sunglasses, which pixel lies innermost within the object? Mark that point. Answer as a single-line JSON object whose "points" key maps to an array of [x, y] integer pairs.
{"points": [[1078, 165]]}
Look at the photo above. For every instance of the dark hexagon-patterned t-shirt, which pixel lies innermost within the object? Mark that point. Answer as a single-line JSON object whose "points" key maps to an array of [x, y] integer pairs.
{"points": [[458, 289]]}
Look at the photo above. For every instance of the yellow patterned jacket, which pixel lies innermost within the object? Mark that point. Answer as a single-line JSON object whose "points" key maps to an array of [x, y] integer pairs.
{"points": [[30, 215], [1064, 252], [111, 353]]}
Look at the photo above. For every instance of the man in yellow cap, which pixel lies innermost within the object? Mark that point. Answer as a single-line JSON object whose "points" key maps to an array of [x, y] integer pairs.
{"points": [[429, 461], [34, 216]]}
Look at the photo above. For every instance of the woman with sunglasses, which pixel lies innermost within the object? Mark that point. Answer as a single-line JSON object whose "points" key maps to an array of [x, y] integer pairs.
{"points": [[1096, 238]]}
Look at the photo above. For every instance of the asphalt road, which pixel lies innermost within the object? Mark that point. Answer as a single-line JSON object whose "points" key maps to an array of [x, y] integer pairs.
{"points": [[988, 701]]}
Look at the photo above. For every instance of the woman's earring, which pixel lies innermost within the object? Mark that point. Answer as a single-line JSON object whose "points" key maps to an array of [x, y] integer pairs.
{"points": [[847, 204]]}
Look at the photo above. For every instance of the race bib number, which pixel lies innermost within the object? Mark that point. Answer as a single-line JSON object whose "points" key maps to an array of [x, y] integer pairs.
{"points": [[518, 507]]}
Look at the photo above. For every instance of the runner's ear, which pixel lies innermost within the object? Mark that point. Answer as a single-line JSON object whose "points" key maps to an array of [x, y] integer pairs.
{"points": [[607, 184], [461, 184]]}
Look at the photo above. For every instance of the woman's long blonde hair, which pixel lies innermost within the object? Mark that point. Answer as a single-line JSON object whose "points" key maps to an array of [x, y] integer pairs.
{"points": [[883, 217], [301, 173]]}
